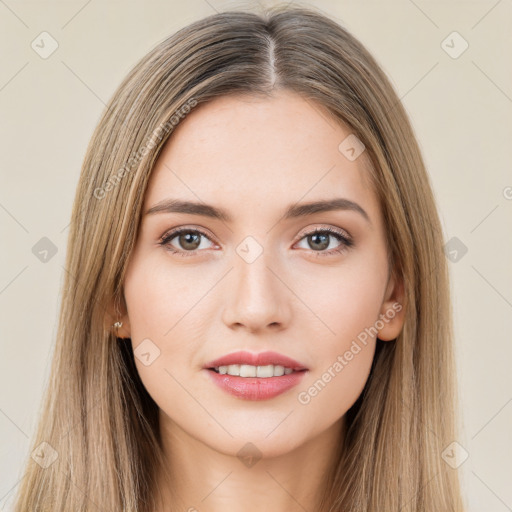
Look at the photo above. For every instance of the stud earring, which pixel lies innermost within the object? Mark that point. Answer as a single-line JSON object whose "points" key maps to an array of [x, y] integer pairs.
{"points": [[117, 325]]}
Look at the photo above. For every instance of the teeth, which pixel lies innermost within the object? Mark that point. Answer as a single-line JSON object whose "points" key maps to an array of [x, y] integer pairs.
{"points": [[247, 370], [269, 371]]}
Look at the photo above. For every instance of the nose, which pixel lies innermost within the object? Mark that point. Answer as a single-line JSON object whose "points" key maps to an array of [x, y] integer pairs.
{"points": [[258, 298]]}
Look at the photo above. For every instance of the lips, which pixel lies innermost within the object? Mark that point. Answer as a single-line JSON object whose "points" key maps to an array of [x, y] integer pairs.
{"points": [[261, 359], [289, 375]]}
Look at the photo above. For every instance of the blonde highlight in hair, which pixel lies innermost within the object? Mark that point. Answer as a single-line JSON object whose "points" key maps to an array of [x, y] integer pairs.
{"points": [[97, 415]]}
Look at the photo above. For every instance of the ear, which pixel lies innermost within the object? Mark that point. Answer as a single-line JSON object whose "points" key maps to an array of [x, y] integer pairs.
{"points": [[392, 313], [119, 313]]}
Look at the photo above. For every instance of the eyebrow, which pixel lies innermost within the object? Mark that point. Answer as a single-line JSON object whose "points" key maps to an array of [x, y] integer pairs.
{"points": [[293, 211]]}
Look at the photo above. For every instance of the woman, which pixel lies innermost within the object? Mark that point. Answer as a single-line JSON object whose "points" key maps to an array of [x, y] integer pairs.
{"points": [[256, 305]]}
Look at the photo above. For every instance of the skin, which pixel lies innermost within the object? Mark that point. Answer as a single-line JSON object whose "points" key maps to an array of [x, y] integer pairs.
{"points": [[253, 157]]}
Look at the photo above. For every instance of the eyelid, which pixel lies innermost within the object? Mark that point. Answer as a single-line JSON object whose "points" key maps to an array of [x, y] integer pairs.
{"points": [[171, 233], [326, 227]]}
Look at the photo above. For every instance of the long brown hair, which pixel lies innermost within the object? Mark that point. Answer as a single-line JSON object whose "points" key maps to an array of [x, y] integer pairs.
{"points": [[98, 441]]}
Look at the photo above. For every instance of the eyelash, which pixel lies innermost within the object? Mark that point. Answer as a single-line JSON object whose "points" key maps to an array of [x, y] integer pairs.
{"points": [[346, 242]]}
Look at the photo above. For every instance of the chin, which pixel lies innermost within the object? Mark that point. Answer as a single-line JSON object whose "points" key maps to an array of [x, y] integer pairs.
{"points": [[255, 444]]}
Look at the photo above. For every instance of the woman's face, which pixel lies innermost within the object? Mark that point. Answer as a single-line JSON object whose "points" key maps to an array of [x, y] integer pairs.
{"points": [[258, 279]]}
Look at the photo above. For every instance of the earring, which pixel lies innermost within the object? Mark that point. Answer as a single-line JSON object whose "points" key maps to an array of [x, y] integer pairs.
{"points": [[117, 325]]}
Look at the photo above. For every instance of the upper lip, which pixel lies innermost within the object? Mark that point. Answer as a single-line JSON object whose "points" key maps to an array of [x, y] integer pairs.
{"points": [[261, 359]]}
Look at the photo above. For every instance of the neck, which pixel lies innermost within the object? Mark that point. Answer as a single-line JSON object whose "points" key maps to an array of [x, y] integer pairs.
{"points": [[199, 478]]}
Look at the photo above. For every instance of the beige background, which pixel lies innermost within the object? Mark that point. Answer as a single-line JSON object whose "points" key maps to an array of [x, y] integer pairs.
{"points": [[461, 109]]}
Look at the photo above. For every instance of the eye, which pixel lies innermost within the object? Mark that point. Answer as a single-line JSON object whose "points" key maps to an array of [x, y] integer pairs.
{"points": [[319, 240], [189, 240]]}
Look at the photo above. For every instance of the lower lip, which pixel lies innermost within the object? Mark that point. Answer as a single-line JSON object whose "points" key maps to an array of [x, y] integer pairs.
{"points": [[256, 388]]}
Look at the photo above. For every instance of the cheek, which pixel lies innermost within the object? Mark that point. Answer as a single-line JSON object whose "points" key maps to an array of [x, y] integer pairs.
{"points": [[349, 306], [344, 352], [159, 297], [347, 300], [164, 312], [332, 390]]}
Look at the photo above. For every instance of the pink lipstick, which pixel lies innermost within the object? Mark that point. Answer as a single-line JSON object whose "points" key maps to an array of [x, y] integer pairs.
{"points": [[255, 376]]}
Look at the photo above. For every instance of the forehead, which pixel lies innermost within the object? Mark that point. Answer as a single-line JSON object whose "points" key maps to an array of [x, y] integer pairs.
{"points": [[246, 152]]}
